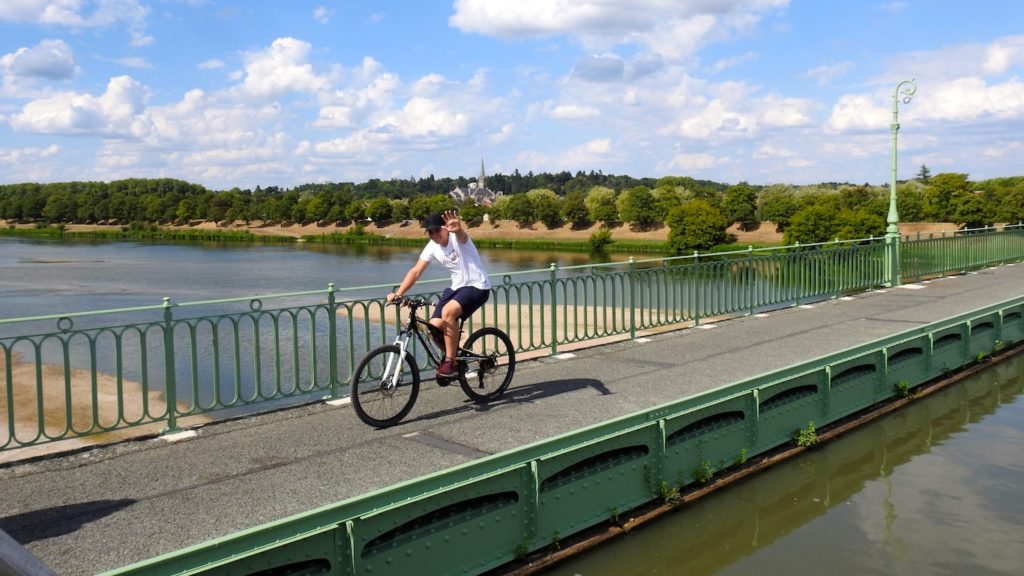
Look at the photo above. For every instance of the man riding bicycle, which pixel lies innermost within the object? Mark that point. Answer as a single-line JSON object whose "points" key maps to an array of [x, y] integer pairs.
{"points": [[451, 246]]}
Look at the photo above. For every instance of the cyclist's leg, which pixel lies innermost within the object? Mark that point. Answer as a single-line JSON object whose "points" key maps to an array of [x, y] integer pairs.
{"points": [[452, 308]]}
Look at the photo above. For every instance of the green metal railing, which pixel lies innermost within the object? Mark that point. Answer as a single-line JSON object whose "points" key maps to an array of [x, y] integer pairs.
{"points": [[75, 375]]}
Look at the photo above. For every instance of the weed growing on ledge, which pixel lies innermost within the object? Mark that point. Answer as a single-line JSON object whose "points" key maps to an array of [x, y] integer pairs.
{"points": [[805, 437], [903, 389], [703, 473]]}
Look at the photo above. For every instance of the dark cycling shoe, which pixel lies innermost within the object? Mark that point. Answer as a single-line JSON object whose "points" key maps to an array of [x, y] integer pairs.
{"points": [[447, 369]]}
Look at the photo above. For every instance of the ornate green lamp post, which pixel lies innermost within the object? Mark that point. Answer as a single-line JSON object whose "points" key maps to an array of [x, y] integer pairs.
{"points": [[905, 89]]}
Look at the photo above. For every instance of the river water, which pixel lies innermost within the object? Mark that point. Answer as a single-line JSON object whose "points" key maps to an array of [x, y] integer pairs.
{"points": [[42, 277], [935, 489]]}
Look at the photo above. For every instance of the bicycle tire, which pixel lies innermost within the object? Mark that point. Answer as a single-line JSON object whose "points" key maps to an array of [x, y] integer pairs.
{"points": [[488, 379], [373, 403]]}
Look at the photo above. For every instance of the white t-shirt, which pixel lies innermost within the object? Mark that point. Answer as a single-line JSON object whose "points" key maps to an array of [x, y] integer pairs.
{"points": [[462, 261]]}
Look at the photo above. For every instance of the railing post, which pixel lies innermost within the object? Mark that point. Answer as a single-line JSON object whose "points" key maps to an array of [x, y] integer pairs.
{"points": [[332, 339], [554, 309], [697, 288], [170, 382], [752, 281], [632, 299]]}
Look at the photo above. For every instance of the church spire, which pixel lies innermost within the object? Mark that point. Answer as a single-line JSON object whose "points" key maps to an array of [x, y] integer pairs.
{"points": [[480, 184]]}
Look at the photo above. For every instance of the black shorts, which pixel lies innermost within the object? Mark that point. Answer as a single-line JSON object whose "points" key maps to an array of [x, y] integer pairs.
{"points": [[470, 298]]}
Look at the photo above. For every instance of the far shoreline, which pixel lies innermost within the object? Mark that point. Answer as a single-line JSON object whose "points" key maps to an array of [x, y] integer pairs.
{"points": [[503, 234]]}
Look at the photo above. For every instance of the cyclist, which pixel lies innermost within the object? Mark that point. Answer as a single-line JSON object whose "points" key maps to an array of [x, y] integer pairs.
{"points": [[451, 246]]}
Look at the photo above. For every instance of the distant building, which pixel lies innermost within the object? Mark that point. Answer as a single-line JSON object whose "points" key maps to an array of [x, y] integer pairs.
{"points": [[478, 191]]}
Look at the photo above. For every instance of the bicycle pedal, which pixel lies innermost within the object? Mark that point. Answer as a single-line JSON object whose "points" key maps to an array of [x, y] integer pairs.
{"points": [[443, 381]]}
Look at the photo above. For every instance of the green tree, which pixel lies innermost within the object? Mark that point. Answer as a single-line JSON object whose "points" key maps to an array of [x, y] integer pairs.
{"points": [[666, 198], [909, 201], [812, 224], [971, 211], [942, 194], [520, 210], [419, 207], [399, 210], [858, 224], [638, 207], [379, 210], [739, 205], [1011, 206], [924, 174], [574, 210], [546, 207], [777, 204], [600, 203], [696, 225]]}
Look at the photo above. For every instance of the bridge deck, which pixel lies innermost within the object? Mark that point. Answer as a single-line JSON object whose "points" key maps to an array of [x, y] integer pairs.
{"points": [[119, 504]]}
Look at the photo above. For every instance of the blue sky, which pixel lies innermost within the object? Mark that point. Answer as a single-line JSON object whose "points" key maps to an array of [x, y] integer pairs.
{"points": [[289, 92]]}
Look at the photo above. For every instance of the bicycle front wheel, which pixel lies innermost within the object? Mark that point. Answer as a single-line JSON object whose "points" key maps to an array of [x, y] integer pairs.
{"points": [[379, 397], [490, 362]]}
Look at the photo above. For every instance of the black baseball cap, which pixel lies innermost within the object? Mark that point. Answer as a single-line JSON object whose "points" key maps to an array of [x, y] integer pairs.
{"points": [[434, 222]]}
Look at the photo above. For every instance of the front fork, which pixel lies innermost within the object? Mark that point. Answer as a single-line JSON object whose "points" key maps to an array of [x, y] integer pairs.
{"points": [[395, 362]]}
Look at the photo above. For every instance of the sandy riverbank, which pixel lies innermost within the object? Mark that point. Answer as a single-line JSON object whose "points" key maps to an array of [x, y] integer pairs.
{"points": [[77, 389], [499, 230]]}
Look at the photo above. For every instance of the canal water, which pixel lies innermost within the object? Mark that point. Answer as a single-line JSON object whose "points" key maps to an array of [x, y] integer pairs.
{"points": [[934, 489]]}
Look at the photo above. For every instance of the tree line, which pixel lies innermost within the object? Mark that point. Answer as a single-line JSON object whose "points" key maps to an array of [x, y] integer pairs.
{"points": [[697, 212]]}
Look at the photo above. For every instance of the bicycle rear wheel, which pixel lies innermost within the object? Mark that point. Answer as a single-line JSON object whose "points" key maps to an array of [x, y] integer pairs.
{"points": [[490, 363], [376, 400]]}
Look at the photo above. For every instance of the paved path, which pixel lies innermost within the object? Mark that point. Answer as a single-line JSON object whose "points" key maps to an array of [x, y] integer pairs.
{"points": [[116, 505]]}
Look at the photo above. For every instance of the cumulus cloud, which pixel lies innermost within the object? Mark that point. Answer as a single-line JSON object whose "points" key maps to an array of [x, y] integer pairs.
{"points": [[573, 112], [110, 113], [50, 59], [674, 30], [77, 14], [280, 69], [594, 152]]}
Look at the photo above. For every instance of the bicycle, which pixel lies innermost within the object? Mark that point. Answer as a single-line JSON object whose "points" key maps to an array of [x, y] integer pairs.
{"points": [[386, 382]]}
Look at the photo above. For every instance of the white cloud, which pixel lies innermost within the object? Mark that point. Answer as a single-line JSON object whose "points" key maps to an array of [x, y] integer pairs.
{"points": [[134, 62], [858, 112], [732, 62], [280, 69], [775, 112], [322, 14], [672, 30], [825, 74], [50, 59], [1001, 56], [716, 120], [962, 100], [503, 134], [211, 64], [589, 154], [111, 113], [694, 162], [76, 14], [15, 156], [573, 112]]}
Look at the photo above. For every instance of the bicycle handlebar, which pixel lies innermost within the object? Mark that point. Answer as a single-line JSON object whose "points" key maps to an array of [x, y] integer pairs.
{"points": [[410, 302]]}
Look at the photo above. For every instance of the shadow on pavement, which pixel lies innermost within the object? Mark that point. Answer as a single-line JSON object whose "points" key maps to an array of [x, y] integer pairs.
{"points": [[59, 520], [520, 395]]}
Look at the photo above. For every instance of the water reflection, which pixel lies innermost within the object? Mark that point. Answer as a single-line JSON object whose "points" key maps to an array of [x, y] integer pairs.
{"points": [[932, 489]]}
